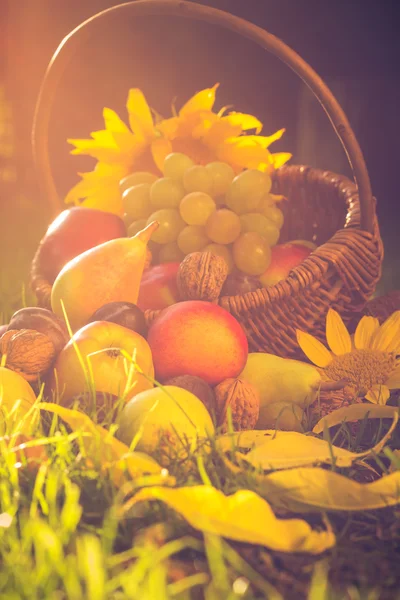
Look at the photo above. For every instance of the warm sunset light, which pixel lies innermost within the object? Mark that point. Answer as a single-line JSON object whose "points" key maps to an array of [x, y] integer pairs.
{"points": [[200, 300]]}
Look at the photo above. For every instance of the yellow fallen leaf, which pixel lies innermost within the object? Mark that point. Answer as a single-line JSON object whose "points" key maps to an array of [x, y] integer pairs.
{"points": [[286, 449], [355, 412], [244, 439], [113, 455], [314, 489], [243, 516], [271, 449]]}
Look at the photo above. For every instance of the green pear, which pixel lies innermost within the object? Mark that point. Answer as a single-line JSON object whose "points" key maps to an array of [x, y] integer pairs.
{"points": [[110, 272], [280, 380]]}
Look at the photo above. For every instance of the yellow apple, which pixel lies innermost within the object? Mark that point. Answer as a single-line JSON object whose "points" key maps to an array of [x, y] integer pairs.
{"points": [[16, 400], [93, 360], [169, 414]]}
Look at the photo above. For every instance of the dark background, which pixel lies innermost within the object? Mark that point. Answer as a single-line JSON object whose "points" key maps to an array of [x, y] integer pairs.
{"points": [[352, 44]]}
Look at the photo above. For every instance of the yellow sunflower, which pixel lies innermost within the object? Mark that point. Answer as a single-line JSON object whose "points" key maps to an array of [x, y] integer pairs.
{"points": [[196, 130], [368, 362]]}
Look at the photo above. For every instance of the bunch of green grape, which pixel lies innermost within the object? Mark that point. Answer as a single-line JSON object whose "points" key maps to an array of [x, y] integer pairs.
{"points": [[202, 208]]}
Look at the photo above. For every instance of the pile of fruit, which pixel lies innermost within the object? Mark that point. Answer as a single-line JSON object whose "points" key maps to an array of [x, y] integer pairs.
{"points": [[208, 208], [97, 345]]}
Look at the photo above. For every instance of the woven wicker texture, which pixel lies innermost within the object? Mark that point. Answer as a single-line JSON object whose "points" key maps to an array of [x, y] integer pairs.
{"points": [[341, 273], [323, 207]]}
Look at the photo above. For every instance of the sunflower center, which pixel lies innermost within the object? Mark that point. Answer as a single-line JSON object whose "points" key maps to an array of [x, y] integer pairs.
{"points": [[362, 368]]}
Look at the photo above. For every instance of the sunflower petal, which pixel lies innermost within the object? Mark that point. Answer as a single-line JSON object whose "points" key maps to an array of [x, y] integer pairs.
{"points": [[244, 121], [203, 100], [365, 331], [280, 158], [387, 339], [160, 148], [245, 157], [218, 132], [169, 127], [378, 394], [106, 200], [113, 122], [262, 140], [393, 381], [313, 349], [140, 117], [337, 336]]}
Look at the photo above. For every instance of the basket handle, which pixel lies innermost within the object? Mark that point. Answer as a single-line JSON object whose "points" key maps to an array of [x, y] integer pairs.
{"points": [[182, 8]]}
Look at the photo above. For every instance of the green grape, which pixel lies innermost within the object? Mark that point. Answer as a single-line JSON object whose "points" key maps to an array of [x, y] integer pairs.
{"points": [[196, 208], [170, 224], [251, 253], [170, 253], [260, 224], [136, 178], [175, 165], [222, 175], [136, 226], [274, 214], [223, 251], [246, 191], [192, 238], [136, 201], [166, 193], [223, 226], [197, 179]]}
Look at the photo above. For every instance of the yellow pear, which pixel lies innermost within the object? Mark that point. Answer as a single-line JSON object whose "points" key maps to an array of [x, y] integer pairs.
{"points": [[280, 380], [110, 272]]}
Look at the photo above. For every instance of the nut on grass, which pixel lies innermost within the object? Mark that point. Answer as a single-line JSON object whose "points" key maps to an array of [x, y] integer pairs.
{"points": [[243, 401], [201, 276], [27, 352]]}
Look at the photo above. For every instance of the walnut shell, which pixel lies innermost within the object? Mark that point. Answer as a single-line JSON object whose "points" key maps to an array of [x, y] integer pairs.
{"points": [[41, 320], [27, 352], [198, 387], [201, 276], [243, 400]]}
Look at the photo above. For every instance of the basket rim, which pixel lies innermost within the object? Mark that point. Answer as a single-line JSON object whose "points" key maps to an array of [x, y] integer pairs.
{"points": [[183, 8]]}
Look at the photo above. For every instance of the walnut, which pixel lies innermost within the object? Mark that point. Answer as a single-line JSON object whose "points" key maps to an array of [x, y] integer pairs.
{"points": [[243, 400], [28, 352], [201, 276], [198, 387], [41, 320]]}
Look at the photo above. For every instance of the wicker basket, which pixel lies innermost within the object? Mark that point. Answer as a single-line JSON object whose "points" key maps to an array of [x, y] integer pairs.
{"points": [[331, 210]]}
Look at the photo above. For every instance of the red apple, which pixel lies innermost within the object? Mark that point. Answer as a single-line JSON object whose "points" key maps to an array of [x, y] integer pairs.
{"points": [[284, 258], [158, 288], [74, 231], [197, 338]]}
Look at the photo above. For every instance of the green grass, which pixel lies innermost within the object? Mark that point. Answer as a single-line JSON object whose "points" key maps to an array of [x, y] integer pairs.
{"points": [[64, 537], [61, 536], [65, 542]]}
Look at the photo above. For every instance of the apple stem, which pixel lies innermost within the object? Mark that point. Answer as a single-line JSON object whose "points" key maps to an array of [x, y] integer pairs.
{"points": [[145, 234]]}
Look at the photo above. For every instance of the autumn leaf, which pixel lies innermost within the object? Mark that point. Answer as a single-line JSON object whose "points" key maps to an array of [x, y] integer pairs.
{"points": [[113, 456], [287, 449], [271, 449], [243, 516], [315, 489], [355, 412]]}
